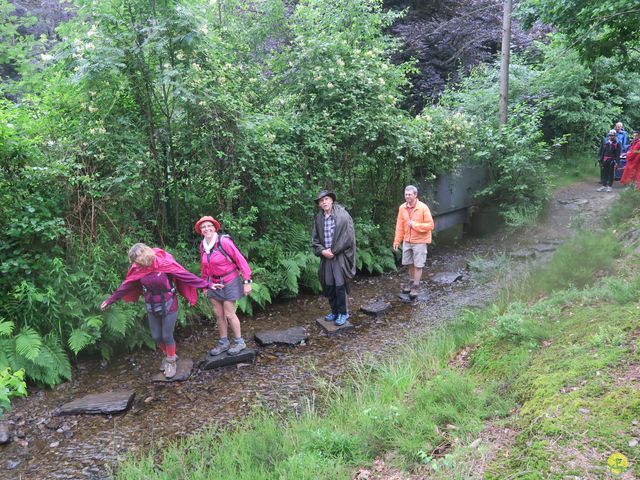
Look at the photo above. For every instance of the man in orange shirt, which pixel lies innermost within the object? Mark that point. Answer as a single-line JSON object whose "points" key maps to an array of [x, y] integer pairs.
{"points": [[413, 229]]}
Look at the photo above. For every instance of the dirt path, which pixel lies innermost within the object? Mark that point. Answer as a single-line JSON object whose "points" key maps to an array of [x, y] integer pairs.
{"points": [[47, 446]]}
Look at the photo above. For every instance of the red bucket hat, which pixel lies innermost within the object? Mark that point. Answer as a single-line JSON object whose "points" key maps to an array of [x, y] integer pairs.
{"points": [[207, 219]]}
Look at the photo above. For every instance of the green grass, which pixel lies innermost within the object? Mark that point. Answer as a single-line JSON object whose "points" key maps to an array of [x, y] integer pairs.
{"points": [[546, 361], [575, 166]]}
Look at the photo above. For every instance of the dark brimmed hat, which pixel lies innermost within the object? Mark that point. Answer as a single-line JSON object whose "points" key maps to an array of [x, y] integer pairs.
{"points": [[207, 218], [325, 193]]}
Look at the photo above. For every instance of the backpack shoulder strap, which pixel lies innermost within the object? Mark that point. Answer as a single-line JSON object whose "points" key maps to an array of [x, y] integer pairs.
{"points": [[221, 249]]}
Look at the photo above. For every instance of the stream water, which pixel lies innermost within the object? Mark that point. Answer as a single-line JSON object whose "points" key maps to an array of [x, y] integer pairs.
{"points": [[83, 446]]}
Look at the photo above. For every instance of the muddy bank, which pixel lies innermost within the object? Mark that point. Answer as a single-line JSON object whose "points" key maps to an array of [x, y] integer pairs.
{"points": [[47, 446]]}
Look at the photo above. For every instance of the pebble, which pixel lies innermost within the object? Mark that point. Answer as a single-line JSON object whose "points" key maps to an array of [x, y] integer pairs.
{"points": [[11, 464], [633, 442], [584, 410], [55, 444]]}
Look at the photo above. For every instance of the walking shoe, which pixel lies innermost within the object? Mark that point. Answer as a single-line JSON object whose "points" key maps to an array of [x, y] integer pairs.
{"points": [[608, 189], [342, 319], [237, 347], [163, 365], [406, 290], [331, 317], [220, 348], [413, 294], [170, 369], [602, 189]]}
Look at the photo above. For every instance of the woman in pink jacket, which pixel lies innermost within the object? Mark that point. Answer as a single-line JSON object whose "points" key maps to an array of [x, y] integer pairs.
{"points": [[222, 263]]}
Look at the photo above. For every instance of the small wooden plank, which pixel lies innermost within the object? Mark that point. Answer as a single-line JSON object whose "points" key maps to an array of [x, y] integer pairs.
{"points": [[99, 403], [290, 336], [210, 362], [183, 372], [331, 328]]}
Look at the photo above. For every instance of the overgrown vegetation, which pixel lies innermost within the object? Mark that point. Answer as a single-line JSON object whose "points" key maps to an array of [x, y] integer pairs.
{"points": [[137, 117]]}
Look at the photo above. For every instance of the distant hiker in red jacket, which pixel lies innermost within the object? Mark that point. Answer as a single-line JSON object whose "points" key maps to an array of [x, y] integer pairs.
{"points": [[156, 275], [631, 171]]}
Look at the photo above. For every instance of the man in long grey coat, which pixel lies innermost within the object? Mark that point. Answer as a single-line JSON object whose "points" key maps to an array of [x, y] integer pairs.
{"points": [[334, 241]]}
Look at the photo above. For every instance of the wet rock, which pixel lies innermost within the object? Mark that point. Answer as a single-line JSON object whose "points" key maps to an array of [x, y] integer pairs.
{"points": [[5, 435], [331, 328], [446, 278], [290, 336], [523, 253], [11, 464], [422, 297], [375, 308], [545, 247], [100, 403], [183, 372], [210, 362], [53, 423]]}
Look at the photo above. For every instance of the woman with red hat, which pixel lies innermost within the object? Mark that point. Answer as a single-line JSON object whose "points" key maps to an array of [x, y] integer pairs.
{"points": [[156, 275], [222, 263]]}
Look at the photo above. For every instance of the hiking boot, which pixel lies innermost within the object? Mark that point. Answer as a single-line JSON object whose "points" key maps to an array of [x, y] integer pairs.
{"points": [[163, 365], [330, 317], [602, 189], [237, 347], [608, 189], [220, 348], [342, 319], [170, 369]]}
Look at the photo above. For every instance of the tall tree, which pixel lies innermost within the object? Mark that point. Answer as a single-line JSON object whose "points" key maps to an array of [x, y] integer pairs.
{"points": [[594, 27]]}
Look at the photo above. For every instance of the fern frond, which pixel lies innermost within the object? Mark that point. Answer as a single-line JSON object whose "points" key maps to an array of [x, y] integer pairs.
{"points": [[117, 321], [6, 327], [79, 340], [28, 343]]}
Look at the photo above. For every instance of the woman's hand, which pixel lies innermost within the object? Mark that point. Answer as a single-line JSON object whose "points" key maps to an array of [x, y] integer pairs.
{"points": [[327, 253], [247, 289], [104, 305]]}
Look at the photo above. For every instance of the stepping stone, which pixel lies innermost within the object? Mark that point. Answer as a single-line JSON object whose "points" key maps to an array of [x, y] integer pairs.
{"points": [[210, 362], [331, 328], [446, 278], [422, 297], [523, 253], [545, 247], [4, 433], [102, 403], [183, 371], [376, 308], [290, 336]]}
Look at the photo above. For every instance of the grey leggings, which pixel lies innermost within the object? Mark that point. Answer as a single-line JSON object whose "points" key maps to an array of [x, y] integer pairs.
{"points": [[162, 327]]}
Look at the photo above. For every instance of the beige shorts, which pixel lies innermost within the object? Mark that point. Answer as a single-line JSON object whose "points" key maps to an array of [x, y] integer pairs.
{"points": [[414, 254]]}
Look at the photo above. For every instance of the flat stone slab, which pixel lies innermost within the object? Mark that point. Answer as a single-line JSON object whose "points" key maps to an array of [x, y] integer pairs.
{"points": [[524, 253], [290, 336], [100, 403], [331, 328], [574, 201], [5, 436], [446, 278], [375, 308], [422, 297], [545, 247], [183, 372], [210, 362]]}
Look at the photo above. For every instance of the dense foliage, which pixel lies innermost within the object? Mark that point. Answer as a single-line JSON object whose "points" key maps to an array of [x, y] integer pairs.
{"points": [[137, 117]]}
